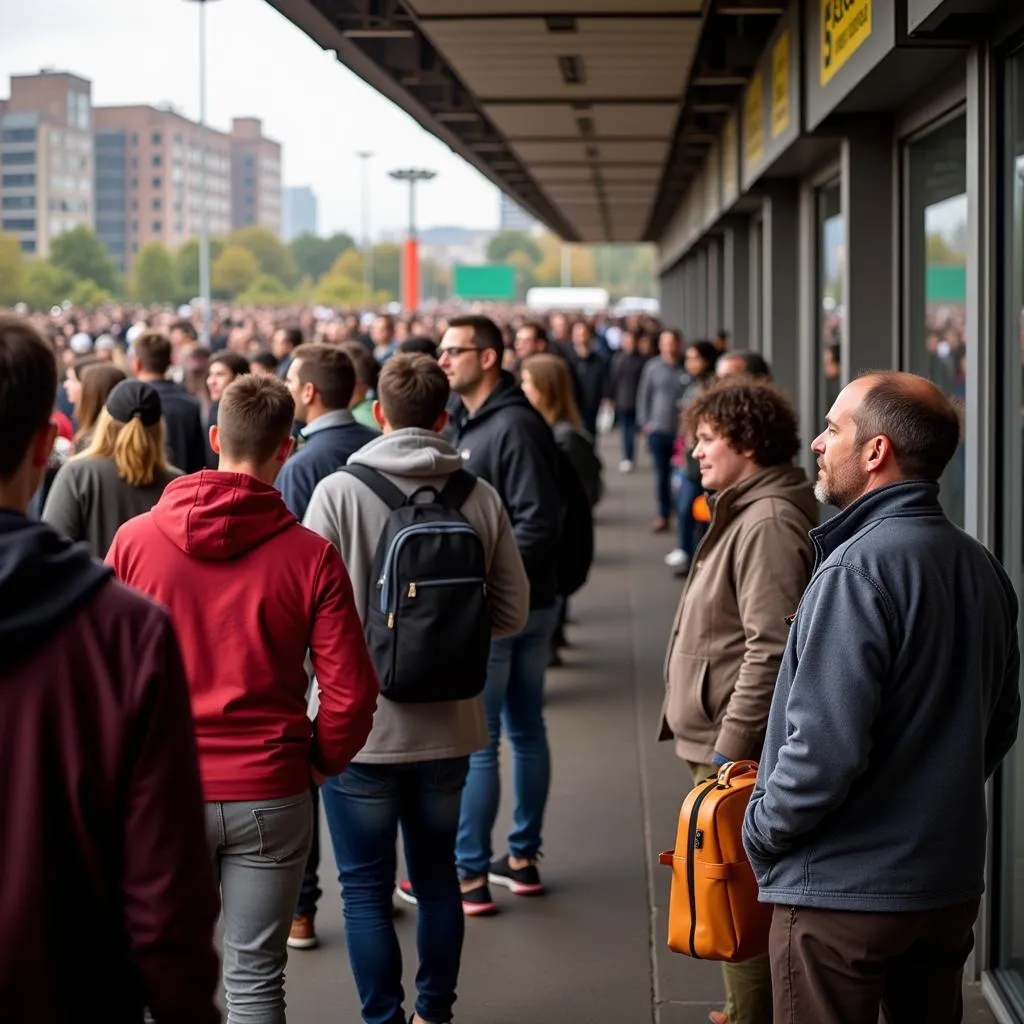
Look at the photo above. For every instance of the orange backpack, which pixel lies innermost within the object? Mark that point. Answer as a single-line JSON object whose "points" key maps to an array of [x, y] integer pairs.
{"points": [[714, 913]]}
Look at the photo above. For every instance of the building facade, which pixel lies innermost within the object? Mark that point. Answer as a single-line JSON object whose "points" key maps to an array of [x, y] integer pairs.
{"points": [[256, 195], [301, 213], [149, 180], [512, 217], [863, 207], [46, 159]]}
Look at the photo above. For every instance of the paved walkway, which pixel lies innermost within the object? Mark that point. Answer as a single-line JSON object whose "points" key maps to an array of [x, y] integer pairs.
{"points": [[593, 950]]}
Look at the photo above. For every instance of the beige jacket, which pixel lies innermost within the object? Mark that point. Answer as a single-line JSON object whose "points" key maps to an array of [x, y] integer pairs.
{"points": [[352, 518], [731, 626]]}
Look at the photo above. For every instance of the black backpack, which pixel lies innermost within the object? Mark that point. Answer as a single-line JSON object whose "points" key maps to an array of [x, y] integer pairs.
{"points": [[576, 540], [428, 622]]}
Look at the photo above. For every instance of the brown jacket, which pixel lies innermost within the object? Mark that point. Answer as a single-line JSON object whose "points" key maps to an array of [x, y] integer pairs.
{"points": [[730, 630]]}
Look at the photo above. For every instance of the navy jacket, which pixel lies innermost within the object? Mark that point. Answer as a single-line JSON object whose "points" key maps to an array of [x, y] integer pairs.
{"points": [[186, 440], [324, 450], [508, 444], [897, 698]]}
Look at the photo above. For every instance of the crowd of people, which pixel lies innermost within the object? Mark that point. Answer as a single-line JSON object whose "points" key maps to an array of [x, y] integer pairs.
{"points": [[328, 559]]}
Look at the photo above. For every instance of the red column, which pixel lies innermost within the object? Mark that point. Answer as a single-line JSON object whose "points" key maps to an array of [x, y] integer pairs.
{"points": [[410, 275]]}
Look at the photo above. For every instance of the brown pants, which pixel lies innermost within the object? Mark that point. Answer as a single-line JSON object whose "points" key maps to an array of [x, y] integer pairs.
{"points": [[843, 967]]}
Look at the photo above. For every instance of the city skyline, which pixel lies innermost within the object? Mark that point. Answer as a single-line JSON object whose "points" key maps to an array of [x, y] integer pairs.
{"points": [[319, 111]]}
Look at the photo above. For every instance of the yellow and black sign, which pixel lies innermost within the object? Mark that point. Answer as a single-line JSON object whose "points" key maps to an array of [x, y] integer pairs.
{"points": [[780, 85], [753, 121], [845, 25]]}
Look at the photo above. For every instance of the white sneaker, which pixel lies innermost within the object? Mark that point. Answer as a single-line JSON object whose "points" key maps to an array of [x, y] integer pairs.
{"points": [[677, 559], [625, 466]]}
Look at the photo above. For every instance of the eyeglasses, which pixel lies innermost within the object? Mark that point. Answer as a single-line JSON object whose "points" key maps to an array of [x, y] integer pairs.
{"points": [[455, 350]]}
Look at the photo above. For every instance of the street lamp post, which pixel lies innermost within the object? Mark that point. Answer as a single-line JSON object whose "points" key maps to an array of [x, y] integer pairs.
{"points": [[364, 157], [204, 215], [411, 266]]}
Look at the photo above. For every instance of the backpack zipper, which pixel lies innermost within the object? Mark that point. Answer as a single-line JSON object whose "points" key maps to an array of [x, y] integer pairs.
{"points": [[691, 884], [453, 582], [394, 549]]}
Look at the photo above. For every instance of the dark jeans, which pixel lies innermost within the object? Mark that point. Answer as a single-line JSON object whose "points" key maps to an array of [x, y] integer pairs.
{"points": [[842, 967], [662, 447], [310, 894], [364, 806], [686, 525], [627, 423]]}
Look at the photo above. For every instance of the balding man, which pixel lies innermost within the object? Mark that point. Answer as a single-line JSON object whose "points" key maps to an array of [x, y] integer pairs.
{"points": [[896, 700], [752, 364]]}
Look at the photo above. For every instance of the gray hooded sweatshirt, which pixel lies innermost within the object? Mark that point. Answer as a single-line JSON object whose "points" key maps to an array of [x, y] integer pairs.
{"points": [[348, 514]]}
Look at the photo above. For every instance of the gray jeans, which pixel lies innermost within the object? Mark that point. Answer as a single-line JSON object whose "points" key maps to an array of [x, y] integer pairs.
{"points": [[259, 852]]}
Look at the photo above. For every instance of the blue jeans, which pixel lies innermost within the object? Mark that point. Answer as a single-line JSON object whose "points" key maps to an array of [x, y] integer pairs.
{"points": [[662, 447], [514, 693], [364, 806], [689, 491], [627, 423]]}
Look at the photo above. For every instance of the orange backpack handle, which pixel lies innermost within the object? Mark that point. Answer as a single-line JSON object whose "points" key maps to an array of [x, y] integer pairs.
{"points": [[727, 771]]}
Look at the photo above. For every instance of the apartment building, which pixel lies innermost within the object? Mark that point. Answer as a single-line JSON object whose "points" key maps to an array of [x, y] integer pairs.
{"points": [[300, 212], [149, 179], [256, 195], [46, 158]]}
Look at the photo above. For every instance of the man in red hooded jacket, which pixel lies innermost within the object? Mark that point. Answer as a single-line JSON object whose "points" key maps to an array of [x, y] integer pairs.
{"points": [[249, 591], [107, 904]]}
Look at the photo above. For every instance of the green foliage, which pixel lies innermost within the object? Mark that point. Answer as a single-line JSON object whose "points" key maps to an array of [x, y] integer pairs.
{"points": [[505, 243], [88, 294], [233, 272], [12, 271], [387, 269], [336, 290], [46, 285], [264, 291], [186, 267], [81, 253], [154, 277], [938, 249], [315, 256], [272, 255]]}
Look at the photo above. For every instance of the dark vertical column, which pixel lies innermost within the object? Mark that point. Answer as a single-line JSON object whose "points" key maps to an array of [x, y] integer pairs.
{"points": [[736, 283], [780, 281]]}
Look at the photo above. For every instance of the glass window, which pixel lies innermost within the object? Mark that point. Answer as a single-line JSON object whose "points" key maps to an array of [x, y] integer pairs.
{"points": [[19, 202], [16, 158], [157, 226], [18, 135], [831, 274], [1009, 894], [936, 288]]}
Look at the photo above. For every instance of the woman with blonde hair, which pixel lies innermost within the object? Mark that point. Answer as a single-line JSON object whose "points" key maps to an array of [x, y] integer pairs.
{"points": [[94, 384], [119, 476]]}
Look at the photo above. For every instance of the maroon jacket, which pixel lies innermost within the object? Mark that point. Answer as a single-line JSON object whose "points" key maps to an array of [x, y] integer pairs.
{"points": [[107, 897]]}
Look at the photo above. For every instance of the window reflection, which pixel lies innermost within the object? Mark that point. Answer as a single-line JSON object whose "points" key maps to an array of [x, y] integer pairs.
{"points": [[937, 267], [831, 311]]}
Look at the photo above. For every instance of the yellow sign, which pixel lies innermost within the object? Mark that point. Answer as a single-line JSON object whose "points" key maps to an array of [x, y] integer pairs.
{"points": [[845, 25], [729, 160], [780, 85], [753, 122]]}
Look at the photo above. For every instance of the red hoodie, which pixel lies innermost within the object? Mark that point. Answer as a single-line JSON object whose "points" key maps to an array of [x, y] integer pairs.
{"points": [[249, 591]]}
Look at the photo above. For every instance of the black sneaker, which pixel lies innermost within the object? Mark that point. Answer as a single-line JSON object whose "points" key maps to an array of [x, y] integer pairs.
{"points": [[521, 881], [477, 902]]}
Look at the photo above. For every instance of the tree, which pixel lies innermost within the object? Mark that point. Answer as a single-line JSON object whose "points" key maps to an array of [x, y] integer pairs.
{"points": [[387, 269], [234, 271], [314, 256], [153, 276], [264, 291], [186, 266], [88, 294], [335, 290], [81, 253], [46, 285], [504, 243], [12, 271], [272, 255], [939, 250]]}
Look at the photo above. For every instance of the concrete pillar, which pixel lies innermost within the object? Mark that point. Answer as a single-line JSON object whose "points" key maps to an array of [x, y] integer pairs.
{"points": [[736, 283], [714, 315], [780, 282], [701, 295]]}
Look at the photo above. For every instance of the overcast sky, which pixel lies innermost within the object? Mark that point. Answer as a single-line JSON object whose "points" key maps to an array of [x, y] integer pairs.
{"points": [[260, 65]]}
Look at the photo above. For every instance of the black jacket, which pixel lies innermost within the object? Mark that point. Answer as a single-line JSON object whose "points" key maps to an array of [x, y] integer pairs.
{"points": [[508, 444], [624, 380], [592, 372], [186, 442]]}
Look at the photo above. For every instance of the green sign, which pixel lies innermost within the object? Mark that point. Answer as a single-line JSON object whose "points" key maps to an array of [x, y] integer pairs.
{"points": [[945, 283], [489, 281]]}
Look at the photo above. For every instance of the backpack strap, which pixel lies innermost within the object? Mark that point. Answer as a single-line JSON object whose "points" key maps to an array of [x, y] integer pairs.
{"points": [[459, 487], [378, 483]]}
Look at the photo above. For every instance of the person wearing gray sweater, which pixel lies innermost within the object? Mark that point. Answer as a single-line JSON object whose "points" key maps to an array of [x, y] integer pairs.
{"points": [[897, 698], [413, 767]]}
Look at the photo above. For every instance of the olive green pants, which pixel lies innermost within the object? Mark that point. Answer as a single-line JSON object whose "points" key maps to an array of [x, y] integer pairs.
{"points": [[748, 985]]}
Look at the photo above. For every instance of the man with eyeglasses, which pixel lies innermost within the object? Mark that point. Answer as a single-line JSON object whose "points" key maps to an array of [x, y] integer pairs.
{"points": [[504, 440]]}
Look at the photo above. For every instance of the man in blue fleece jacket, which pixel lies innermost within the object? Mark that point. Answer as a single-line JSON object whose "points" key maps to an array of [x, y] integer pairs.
{"points": [[897, 698]]}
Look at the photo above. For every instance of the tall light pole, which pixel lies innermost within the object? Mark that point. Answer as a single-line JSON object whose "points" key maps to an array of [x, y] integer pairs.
{"points": [[364, 156], [204, 213], [411, 265]]}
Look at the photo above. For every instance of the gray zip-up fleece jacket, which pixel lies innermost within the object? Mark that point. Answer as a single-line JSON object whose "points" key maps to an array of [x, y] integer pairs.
{"points": [[897, 698], [659, 396], [346, 512]]}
